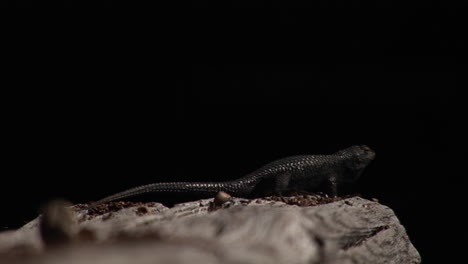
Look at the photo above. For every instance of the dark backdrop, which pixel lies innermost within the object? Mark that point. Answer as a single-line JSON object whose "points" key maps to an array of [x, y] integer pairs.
{"points": [[92, 113]]}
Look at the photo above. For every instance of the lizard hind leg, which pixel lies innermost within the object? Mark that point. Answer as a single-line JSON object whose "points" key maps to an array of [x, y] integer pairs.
{"points": [[273, 185], [282, 184], [333, 186]]}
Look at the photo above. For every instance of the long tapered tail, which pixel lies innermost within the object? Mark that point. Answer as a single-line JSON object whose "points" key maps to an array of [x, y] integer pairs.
{"points": [[206, 189]]}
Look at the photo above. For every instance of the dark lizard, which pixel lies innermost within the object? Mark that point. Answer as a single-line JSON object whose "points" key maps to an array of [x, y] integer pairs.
{"points": [[305, 173]]}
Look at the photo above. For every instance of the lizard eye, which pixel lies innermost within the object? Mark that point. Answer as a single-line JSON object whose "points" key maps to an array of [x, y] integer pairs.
{"points": [[365, 148]]}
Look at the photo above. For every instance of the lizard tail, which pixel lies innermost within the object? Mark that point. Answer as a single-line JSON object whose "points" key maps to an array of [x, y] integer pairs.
{"points": [[200, 188]]}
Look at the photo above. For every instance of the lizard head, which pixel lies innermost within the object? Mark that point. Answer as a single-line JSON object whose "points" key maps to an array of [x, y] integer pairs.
{"points": [[356, 159]]}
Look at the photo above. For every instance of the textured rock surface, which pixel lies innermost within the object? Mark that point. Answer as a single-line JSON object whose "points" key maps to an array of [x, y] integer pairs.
{"points": [[352, 230]]}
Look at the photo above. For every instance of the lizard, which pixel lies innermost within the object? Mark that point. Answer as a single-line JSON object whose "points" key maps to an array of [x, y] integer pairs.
{"points": [[302, 172]]}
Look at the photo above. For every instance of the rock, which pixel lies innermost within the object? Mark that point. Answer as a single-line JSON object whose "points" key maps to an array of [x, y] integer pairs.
{"points": [[57, 224], [326, 230]]}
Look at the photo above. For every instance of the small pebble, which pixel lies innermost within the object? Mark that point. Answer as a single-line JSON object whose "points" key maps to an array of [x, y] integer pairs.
{"points": [[221, 198]]}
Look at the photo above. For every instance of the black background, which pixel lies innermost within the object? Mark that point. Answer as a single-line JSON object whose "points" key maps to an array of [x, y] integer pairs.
{"points": [[93, 108]]}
